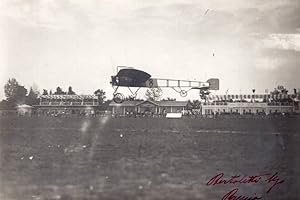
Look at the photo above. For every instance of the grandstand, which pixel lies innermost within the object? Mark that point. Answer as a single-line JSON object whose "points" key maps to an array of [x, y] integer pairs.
{"points": [[87, 105], [68, 104], [68, 100], [250, 104], [251, 97]]}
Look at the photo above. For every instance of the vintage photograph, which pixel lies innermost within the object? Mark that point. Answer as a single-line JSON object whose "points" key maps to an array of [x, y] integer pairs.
{"points": [[149, 99]]}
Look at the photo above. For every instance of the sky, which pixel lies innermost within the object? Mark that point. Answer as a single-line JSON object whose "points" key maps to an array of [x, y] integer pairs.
{"points": [[246, 44]]}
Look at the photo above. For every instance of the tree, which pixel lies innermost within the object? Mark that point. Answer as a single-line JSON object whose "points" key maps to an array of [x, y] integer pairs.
{"points": [[45, 92], [32, 97], [5, 105], [297, 93], [153, 94], [59, 91], [189, 105], [10, 88], [14, 92], [196, 104], [70, 91], [279, 90], [101, 96], [35, 88]]}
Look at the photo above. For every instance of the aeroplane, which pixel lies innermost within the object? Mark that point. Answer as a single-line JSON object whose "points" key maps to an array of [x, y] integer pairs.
{"points": [[130, 77]]}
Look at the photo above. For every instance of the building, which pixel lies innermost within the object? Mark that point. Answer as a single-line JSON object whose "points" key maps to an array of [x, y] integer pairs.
{"points": [[297, 106], [249, 104], [246, 108], [67, 104], [24, 110], [147, 107], [87, 105]]}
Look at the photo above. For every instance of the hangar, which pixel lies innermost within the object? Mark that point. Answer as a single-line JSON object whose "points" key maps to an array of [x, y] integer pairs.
{"points": [[67, 104], [147, 107]]}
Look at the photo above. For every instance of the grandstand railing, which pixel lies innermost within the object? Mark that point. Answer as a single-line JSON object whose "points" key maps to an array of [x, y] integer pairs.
{"points": [[248, 103], [69, 103], [216, 103], [280, 104]]}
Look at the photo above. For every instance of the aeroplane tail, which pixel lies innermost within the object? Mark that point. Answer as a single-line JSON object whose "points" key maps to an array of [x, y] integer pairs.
{"points": [[214, 83]]}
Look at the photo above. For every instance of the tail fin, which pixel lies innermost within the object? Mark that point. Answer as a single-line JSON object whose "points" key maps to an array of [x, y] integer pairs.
{"points": [[214, 83]]}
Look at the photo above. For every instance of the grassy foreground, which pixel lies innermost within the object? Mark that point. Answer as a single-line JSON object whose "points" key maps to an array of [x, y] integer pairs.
{"points": [[144, 158]]}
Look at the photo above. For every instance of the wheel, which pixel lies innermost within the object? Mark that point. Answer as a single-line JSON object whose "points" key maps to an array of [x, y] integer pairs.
{"points": [[118, 98], [183, 93], [133, 96]]}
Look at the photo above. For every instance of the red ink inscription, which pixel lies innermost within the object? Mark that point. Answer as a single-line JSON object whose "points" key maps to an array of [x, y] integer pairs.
{"points": [[271, 179], [232, 195], [218, 179], [275, 180]]}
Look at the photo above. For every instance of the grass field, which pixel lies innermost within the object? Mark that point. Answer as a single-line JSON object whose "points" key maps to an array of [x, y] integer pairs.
{"points": [[144, 158]]}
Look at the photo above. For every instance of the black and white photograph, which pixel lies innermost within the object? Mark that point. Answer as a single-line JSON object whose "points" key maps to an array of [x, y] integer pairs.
{"points": [[149, 99]]}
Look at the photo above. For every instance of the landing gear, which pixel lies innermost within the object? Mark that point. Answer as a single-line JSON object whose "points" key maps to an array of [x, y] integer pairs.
{"points": [[203, 94], [183, 93], [118, 98]]}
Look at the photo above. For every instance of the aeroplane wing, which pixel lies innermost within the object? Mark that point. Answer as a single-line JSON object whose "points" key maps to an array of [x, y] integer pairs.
{"points": [[133, 75]]}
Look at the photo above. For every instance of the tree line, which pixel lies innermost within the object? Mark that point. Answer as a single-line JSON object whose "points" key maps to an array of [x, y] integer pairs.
{"points": [[17, 94], [59, 91]]}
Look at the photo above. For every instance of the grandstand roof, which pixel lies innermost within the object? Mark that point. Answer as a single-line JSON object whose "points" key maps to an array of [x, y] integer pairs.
{"points": [[24, 106], [173, 103], [250, 96], [125, 103], [158, 103], [149, 101], [71, 97]]}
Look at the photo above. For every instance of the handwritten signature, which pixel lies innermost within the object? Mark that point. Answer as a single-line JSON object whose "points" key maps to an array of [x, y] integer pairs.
{"points": [[272, 179], [231, 195]]}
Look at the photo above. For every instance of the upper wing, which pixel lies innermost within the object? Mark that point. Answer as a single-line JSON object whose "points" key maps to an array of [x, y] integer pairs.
{"points": [[133, 76]]}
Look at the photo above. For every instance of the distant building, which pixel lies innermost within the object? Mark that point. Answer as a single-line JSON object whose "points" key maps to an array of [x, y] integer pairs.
{"points": [[24, 110], [87, 105], [67, 104], [297, 106], [246, 108], [249, 104], [147, 107]]}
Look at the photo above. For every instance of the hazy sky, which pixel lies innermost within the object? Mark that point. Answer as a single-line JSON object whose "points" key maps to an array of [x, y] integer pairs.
{"points": [[50, 43]]}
